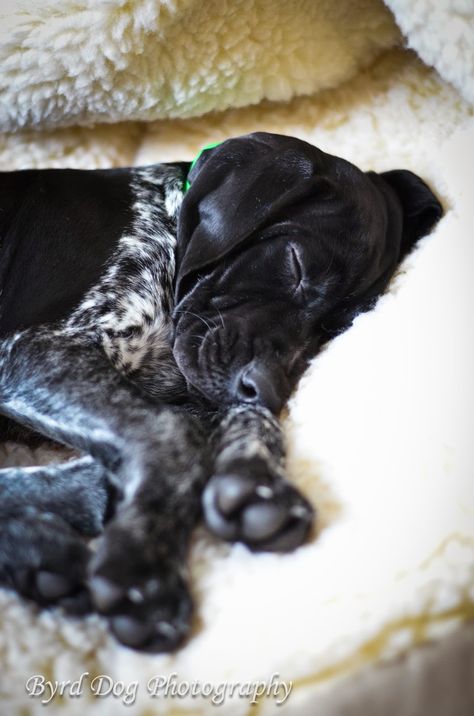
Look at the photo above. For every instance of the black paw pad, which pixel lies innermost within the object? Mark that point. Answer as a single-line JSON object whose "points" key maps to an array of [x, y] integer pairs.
{"points": [[107, 595], [131, 631], [52, 586], [148, 605], [265, 516], [45, 560]]}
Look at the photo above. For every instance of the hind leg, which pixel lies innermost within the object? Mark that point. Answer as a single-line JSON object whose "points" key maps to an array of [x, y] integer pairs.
{"points": [[64, 387], [45, 514], [77, 491]]}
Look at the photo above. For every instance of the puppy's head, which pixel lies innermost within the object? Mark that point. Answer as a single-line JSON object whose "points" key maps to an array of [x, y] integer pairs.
{"points": [[277, 242]]}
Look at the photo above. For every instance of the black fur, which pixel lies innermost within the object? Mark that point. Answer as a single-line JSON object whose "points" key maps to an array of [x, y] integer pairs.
{"points": [[161, 336]]}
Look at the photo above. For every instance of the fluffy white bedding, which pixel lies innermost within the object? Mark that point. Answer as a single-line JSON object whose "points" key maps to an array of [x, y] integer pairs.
{"points": [[442, 33], [81, 61], [379, 434], [78, 61]]}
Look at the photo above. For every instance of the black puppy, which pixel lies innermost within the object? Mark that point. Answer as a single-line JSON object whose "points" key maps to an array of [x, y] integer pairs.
{"points": [[160, 335]]}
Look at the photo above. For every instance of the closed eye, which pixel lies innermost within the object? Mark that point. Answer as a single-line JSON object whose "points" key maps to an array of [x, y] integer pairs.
{"points": [[296, 268]]}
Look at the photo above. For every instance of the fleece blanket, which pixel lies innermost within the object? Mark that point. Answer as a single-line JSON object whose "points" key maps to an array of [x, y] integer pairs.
{"points": [[82, 61], [379, 439], [78, 61]]}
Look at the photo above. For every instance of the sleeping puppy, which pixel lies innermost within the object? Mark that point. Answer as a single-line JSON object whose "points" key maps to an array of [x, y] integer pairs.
{"points": [[160, 332]]}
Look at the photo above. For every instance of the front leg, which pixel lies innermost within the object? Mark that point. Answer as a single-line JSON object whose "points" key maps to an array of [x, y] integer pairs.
{"points": [[64, 387], [146, 596], [248, 498]]}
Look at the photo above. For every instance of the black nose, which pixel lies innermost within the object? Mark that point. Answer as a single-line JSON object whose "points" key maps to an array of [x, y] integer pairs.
{"points": [[262, 385]]}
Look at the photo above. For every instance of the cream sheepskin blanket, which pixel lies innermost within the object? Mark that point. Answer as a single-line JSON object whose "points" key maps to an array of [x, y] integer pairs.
{"points": [[78, 61], [380, 429], [81, 61]]}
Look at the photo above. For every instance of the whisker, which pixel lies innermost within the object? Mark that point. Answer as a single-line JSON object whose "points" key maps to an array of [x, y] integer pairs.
{"points": [[200, 318], [220, 316]]}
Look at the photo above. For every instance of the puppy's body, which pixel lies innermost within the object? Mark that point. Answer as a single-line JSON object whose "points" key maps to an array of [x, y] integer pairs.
{"points": [[135, 323]]}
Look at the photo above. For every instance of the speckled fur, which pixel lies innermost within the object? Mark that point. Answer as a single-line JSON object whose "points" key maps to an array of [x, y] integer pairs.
{"points": [[128, 311], [87, 382]]}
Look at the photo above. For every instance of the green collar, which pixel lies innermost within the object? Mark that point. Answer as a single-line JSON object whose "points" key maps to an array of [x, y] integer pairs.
{"points": [[187, 183]]}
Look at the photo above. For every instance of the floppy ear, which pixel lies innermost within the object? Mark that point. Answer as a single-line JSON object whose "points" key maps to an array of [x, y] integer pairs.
{"points": [[236, 189], [421, 208]]}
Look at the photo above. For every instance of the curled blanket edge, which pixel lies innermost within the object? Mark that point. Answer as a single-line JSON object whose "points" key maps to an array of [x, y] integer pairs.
{"points": [[146, 59]]}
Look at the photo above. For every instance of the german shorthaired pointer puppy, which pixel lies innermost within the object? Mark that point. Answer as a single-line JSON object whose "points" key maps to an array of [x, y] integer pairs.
{"points": [[160, 332]]}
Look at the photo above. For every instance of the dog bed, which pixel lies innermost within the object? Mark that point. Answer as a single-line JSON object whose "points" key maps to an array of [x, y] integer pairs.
{"points": [[371, 616]]}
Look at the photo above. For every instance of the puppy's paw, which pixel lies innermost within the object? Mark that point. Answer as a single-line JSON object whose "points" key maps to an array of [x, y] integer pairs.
{"points": [[45, 560], [267, 514], [145, 600]]}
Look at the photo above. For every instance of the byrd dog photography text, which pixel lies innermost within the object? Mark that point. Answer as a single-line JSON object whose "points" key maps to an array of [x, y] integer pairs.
{"points": [[157, 687]]}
